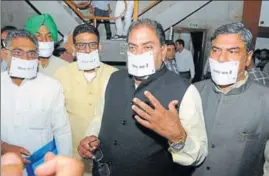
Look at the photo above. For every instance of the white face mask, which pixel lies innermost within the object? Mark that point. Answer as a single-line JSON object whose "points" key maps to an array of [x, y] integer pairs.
{"points": [[224, 73], [141, 65], [22, 68], [46, 49], [88, 61]]}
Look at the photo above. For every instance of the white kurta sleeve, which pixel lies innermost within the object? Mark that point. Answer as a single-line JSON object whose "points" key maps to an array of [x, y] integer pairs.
{"points": [[192, 120], [266, 163], [191, 65], [60, 124]]}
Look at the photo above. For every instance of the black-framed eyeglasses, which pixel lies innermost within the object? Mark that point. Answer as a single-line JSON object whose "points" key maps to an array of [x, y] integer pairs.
{"points": [[32, 54], [82, 45], [103, 168]]}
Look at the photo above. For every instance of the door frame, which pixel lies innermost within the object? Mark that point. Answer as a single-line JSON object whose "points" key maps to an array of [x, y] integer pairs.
{"points": [[204, 41]]}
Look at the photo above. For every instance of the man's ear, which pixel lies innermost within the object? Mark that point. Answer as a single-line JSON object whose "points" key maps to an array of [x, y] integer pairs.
{"points": [[249, 58], [164, 51], [3, 54], [100, 47]]}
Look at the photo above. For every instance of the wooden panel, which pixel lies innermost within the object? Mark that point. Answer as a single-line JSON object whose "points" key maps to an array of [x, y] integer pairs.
{"points": [[263, 32], [251, 16]]}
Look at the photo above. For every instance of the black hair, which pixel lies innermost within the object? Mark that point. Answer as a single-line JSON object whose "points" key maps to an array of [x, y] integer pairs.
{"points": [[180, 42], [8, 28], [170, 42], [85, 28], [157, 27], [59, 51]]}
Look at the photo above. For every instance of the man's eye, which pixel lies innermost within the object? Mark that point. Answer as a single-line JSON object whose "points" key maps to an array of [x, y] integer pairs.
{"points": [[233, 52], [148, 47], [131, 47], [17, 52], [215, 50]]}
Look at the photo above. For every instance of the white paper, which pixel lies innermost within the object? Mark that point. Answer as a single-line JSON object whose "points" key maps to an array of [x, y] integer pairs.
{"points": [[45, 49], [224, 73], [141, 65], [88, 61], [22, 68]]}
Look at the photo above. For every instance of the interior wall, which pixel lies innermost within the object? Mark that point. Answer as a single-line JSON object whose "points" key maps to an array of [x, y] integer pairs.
{"points": [[15, 13], [212, 16], [262, 43]]}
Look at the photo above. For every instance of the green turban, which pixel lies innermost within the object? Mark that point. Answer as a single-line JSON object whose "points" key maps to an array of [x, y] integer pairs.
{"points": [[34, 23]]}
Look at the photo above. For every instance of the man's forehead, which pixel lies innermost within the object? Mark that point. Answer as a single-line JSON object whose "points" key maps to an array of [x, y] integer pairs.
{"points": [[22, 42], [170, 46], [43, 30], [228, 41], [86, 36], [143, 34]]}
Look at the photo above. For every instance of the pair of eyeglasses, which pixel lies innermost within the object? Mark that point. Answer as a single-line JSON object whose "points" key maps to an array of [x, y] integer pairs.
{"points": [[82, 46], [19, 53], [103, 168]]}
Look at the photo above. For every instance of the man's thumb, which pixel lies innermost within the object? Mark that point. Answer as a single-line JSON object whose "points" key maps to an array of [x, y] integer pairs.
{"points": [[172, 106]]}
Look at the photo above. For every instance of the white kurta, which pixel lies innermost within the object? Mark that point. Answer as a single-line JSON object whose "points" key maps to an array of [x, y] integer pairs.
{"points": [[123, 26], [33, 113], [185, 62]]}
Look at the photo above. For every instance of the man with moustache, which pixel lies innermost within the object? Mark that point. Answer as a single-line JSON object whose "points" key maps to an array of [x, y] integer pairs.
{"points": [[151, 120]]}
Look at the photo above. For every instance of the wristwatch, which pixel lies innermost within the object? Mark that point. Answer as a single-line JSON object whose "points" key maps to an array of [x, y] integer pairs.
{"points": [[177, 145]]}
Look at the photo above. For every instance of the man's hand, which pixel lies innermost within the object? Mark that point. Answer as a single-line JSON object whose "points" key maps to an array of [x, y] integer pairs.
{"points": [[164, 122], [11, 165], [60, 166], [6, 148], [87, 145]]}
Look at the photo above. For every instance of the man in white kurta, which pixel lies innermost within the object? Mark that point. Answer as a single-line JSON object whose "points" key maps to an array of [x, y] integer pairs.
{"points": [[33, 112], [184, 60]]}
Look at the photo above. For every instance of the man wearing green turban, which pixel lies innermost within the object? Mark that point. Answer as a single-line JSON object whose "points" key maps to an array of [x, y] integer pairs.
{"points": [[46, 32]]}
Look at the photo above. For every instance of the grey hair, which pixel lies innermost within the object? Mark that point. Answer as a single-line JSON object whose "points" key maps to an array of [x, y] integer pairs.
{"points": [[235, 28], [157, 27], [21, 33]]}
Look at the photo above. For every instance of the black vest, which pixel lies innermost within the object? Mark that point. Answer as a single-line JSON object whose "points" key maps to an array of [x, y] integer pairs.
{"points": [[130, 148]]}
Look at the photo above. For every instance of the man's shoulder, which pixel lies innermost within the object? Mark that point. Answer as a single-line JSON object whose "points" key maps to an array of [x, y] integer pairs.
{"points": [[58, 60], [175, 78], [4, 76], [187, 52], [122, 73], [47, 81], [109, 68], [259, 88], [266, 68], [65, 69], [203, 84]]}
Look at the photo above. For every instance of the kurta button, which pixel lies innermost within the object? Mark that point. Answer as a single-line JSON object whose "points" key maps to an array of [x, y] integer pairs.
{"points": [[207, 168], [115, 142], [212, 145], [123, 122]]}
